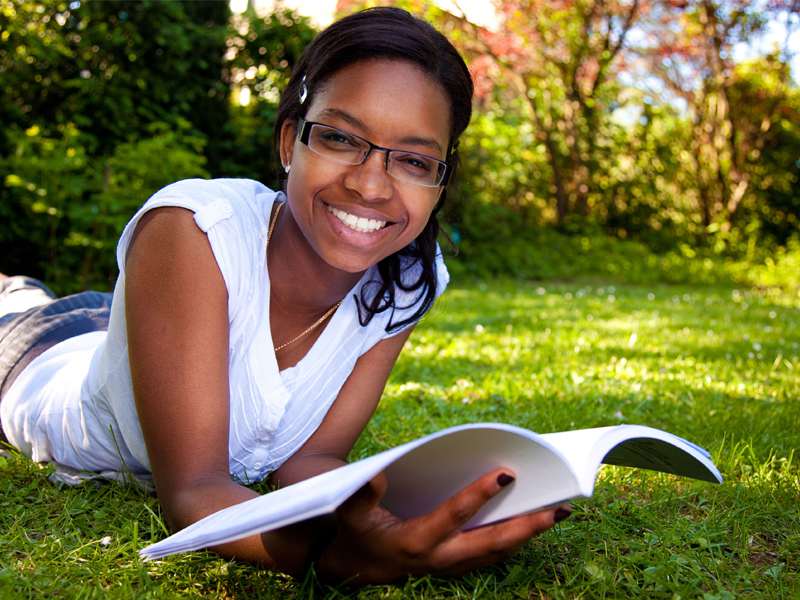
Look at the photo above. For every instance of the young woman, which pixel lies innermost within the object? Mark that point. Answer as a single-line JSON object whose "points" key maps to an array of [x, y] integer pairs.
{"points": [[251, 333]]}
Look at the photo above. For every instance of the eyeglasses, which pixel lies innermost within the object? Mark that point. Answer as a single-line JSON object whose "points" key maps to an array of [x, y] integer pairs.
{"points": [[348, 149]]}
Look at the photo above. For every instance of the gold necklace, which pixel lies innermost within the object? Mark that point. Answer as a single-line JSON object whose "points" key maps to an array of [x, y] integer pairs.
{"points": [[316, 323]]}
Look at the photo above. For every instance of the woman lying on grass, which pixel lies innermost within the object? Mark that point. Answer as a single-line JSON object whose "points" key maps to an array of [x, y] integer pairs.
{"points": [[251, 333]]}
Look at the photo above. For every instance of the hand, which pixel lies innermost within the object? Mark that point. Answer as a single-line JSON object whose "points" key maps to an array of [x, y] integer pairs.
{"points": [[374, 546]]}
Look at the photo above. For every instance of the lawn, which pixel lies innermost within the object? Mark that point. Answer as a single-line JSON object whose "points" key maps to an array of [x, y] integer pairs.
{"points": [[719, 366]]}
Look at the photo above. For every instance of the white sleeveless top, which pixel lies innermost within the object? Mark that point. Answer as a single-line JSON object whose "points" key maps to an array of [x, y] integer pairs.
{"points": [[73, 405]]}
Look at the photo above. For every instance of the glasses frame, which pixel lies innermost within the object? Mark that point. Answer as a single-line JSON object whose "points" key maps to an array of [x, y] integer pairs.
{"points": [[304, 134]]}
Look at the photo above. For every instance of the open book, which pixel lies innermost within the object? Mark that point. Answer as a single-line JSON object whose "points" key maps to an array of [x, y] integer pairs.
{"points": [[550, 469]]}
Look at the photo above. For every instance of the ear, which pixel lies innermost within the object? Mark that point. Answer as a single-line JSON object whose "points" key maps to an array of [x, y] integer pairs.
{"points": [[288, 137]]}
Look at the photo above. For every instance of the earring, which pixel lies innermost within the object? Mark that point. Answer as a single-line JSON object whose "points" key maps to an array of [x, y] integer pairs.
{"points": [[287, 168]]}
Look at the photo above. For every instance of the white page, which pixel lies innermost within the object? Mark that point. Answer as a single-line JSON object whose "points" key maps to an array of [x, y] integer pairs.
{"points": [[433, 469], [304, 500], [430, 474], [427, 471], [578, 448], [632, 446]]}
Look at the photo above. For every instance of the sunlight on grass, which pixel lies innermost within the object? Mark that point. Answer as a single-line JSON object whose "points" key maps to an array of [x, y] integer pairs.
{"points": [[716, 365]]}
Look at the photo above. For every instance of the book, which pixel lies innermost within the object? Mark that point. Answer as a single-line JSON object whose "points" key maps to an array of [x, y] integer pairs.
{"points": [[550, 469]]}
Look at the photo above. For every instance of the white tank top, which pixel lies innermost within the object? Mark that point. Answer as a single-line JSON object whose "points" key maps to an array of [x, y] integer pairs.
{"points": [[73, 405]]}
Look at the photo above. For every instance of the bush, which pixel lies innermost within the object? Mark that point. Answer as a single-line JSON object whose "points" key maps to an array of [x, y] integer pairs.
{"points": [[69, 210], [780, 269], [494, 241], [47, 177]]}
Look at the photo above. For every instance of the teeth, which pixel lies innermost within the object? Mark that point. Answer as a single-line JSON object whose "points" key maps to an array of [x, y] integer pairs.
{"points": [[361, 224]]}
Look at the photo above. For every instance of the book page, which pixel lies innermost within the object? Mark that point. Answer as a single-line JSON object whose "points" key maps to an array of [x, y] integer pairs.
{"points": [[423, 473], [432, 473], [578, 447], [648, 448], [632, 446], [305, 500]]}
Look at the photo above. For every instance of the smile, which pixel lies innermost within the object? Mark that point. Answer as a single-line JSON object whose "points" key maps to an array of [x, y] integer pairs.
{"points": [[360, 224]]}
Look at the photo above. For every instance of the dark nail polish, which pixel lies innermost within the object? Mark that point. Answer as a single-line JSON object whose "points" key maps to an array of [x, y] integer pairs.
{"points": [[561, 514], [504, 479]]}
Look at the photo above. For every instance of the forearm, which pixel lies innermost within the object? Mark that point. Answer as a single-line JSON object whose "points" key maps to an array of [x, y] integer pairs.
{"points": [[284, 550]]}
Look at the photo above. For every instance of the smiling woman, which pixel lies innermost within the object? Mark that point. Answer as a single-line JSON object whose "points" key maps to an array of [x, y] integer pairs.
{"points": [[389, 186], [251, 332]]}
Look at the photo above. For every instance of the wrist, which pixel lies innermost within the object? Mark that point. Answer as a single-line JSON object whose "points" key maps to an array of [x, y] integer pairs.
{"points": [[323, 532], [298, 547]]}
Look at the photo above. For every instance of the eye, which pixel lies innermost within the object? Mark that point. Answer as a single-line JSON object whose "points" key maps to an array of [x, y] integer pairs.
{"points": [[335, 138], [416, 163]]}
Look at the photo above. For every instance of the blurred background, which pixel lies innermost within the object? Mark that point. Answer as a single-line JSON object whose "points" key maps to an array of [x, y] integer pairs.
{"points": [[630, 140]]}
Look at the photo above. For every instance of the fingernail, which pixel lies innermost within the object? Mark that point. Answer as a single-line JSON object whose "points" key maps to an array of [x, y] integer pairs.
{"points": [[504, 479], [561, 514]]}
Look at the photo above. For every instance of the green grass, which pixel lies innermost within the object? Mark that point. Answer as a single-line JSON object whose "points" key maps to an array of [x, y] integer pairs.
{"points": [[720, 366]]}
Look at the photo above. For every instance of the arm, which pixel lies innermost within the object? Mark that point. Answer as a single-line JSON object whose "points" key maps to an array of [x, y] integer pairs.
{"points": [[176, 304], [367, 543], [177, 319]]}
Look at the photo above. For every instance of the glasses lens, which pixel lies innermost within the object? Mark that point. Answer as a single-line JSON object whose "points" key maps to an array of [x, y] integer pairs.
{"points": [[416, 168], [341, 147], [336, 145]]}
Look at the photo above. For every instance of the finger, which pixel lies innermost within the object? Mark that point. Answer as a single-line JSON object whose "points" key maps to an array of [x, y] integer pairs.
{"points": [[486, 545], [562, 512], [450, 516], [365, 499]]}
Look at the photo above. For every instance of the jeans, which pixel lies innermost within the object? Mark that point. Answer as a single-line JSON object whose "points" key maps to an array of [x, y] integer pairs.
{"points": [[32, 320]]}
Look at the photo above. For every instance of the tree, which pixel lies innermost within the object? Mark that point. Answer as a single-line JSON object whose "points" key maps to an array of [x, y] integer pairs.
{"points": [[113, 68], [731, 122], [82, 84], [260, 57], [767, 124], [561, 58]]}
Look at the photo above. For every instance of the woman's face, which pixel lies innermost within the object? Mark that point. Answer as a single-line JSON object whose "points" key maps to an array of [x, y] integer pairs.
{"points": [[393, 104]]}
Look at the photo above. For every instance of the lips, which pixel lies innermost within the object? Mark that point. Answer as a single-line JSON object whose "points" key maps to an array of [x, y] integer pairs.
{"points": [[356, 223]]}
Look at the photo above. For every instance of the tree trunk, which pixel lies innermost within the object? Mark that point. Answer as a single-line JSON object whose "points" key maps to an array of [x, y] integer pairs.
{"points": [[562, 202]]}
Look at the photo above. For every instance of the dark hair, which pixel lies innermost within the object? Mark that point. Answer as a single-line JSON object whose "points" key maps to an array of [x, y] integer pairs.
{"points": [[391, 33]]}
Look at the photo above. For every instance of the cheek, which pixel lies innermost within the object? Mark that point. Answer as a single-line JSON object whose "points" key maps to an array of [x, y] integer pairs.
{"points": [[420, 214], [309, 176]]}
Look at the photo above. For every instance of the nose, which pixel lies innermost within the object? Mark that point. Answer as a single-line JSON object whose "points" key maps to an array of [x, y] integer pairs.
{"points": [[370, 179]]}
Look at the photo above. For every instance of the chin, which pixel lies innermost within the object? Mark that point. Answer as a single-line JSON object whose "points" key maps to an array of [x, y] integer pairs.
{"points": [[350, 265]]}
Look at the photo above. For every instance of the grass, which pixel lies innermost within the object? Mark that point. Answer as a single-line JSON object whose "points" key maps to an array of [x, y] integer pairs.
{"points": [[718, 365]]}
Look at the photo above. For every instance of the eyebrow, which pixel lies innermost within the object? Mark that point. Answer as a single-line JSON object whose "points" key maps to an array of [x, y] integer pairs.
{"points": [[356, 122]]}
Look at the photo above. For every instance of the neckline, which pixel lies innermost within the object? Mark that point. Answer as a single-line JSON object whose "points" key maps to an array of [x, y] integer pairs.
{"points": [[328, 328]]}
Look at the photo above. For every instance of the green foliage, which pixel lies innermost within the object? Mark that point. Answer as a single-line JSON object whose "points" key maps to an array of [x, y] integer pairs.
{"points": [[86, 88], [715, 364], [45, 179], [644, 193], [68, 210], [781, 268], [102, 103], [135, 171], [112, 68], [765, 102], [501, 164], [496, 241], [263, 53]]}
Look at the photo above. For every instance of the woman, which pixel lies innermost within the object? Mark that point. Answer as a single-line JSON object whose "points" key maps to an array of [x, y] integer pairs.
{"points": [[251, 333]]}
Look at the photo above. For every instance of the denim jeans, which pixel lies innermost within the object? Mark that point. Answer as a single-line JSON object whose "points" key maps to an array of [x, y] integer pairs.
{"points": [[32, 320]]}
